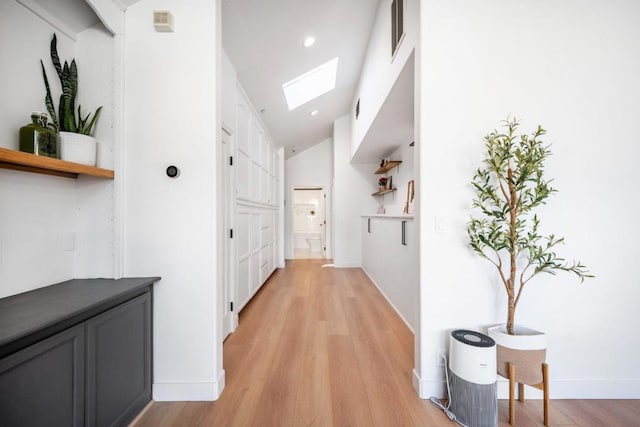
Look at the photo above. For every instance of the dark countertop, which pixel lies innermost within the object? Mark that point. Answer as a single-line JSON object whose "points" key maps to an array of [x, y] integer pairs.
{"points": [[32, 316]]}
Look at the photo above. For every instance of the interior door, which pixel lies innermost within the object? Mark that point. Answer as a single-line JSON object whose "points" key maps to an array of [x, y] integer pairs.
{"points": [[323, 222], [227, 199]]}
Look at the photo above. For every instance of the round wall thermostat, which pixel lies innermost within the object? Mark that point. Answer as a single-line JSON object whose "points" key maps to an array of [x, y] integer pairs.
{"points": [[173, 171]]}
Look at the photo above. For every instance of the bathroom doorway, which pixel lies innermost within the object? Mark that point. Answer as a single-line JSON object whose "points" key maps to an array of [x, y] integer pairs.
{"points": [[309, 222]]}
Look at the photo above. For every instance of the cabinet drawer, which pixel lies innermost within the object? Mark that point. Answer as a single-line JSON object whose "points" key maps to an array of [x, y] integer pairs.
{"points": [[265, 236], [264, 255], [264, 272]]}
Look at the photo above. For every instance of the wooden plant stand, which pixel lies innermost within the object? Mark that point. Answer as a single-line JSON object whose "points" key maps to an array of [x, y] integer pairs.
{"points": [[544, 386]]}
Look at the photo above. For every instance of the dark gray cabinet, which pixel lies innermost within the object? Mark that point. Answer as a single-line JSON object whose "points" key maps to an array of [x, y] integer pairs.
{"points": [[119, 363], [43, 385], [76, 354]]}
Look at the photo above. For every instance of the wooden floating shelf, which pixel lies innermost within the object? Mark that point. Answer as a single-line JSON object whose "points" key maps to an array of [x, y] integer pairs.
{"points": [[385, 191], [27, 162], [388, 166]]}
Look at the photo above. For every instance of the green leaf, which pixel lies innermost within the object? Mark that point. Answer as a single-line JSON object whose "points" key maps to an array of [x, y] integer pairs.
{"points": [[48, 100]]}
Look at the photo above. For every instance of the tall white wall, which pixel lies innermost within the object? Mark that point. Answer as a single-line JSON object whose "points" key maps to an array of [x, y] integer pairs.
{"points": [[311, 168], [573, 67], [39, 213], [353, 185], [171, 119], [380, 70]]}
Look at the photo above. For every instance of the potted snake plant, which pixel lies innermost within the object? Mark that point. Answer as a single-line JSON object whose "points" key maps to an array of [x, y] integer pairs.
{"points": [[509, 186], [75, 133]]}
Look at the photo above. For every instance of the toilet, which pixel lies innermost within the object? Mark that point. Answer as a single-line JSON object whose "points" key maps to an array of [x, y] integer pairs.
{"points": [[315, 245]]}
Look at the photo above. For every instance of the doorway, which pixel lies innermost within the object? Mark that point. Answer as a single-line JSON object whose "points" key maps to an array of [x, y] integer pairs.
{"points": [[309, 222]]}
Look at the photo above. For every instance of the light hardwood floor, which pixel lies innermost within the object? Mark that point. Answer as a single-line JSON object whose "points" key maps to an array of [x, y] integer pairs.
{"points": [[322, 347]]}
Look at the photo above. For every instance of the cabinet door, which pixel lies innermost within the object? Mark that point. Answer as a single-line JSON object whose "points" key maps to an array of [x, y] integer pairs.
{"points": [[43, 385], [243, 235], [119, 363]]}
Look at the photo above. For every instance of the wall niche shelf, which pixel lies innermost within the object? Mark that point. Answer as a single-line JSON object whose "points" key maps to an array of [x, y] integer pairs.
{"points": [[385, 191], [387, 167], [27, 162]]}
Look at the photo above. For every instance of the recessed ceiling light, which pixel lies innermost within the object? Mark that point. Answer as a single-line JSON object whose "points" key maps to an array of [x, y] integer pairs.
{"points": [[311, 84], [309, 41], [313, 113]]}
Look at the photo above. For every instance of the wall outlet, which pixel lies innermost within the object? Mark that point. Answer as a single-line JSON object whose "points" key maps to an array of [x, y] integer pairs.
{"points": [[440, 354]]}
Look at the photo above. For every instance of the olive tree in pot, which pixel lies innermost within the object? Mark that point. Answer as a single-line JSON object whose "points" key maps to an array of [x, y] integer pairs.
{"points": [[76, 142], [509, 187]]}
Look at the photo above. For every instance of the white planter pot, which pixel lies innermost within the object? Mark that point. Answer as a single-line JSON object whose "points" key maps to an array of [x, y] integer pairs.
{"points": [[78, 148], [527, 350]]}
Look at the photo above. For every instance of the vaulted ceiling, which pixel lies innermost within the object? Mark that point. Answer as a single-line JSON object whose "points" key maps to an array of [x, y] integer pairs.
{"points": [[264, 40]]}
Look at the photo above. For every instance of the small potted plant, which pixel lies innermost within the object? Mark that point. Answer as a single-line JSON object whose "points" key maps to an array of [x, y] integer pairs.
{"points": [[76, 142], [509, 187], [382, 182]]}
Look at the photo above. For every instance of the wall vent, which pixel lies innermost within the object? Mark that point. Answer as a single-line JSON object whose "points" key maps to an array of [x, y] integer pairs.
{"points": [[163, 21], [397, 24]]}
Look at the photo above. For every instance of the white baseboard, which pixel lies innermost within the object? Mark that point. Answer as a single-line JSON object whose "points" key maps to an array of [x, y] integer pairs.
{"points": [[389, 301], [181, 392], [346, 264], [558, 389], [580, 389], [428, 388]]}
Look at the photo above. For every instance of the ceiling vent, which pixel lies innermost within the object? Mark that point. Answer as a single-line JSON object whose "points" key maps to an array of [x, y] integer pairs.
{"points": [[163, 21]]}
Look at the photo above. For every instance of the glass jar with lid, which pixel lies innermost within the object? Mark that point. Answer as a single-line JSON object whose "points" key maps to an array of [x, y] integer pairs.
{"points": [[38, 138]]}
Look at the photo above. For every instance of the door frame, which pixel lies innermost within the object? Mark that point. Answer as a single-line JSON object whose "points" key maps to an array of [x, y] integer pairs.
{"points": [[229, 265], [323, 189]]}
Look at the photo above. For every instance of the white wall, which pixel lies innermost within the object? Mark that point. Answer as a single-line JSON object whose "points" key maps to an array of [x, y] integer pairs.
{"points": [[380, 71], [572, 67], [171, 119], [37, 212], [311, 168], [353, 185]]}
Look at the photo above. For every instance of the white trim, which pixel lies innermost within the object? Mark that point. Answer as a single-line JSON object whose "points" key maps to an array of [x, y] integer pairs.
{"points": [[110, 14], [119, 156], [346, 264], [427, 389], [178, 392], [558, 389], [388, 300], [580, 389], [52, 20]]}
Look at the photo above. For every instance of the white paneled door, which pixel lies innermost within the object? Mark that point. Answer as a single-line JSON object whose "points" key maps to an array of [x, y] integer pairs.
{"points": [[227, 198]]}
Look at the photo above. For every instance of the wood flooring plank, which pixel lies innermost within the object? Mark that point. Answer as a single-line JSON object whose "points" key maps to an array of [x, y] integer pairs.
{"points": [[313, 399], [277, 403], [634, 405], [350, 408], [583, 413]]}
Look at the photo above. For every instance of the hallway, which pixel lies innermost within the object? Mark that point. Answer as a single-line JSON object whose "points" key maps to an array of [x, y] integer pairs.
{"points": [[316, 346], [321, 346]]}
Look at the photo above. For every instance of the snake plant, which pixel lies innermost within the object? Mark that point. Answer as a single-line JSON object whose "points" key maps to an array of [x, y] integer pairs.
{"points": [[65, 120]]}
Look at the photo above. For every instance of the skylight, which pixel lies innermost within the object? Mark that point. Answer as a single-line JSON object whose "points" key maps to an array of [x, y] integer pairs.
{"points": [[311, 84]]}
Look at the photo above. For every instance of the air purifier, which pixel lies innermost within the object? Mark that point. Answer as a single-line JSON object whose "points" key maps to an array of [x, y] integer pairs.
{"points": [[473, 378]]}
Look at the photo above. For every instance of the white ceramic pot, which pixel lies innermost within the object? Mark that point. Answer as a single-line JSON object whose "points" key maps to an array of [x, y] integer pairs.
{"points": [[527, 350], [78, 148]]}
